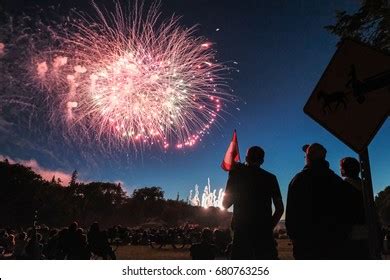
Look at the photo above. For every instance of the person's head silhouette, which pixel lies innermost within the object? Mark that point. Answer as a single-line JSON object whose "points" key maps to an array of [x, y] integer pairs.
{"points": [[314, 152], [350, 167], [73, 227], [255, 156], [95, 227], [207, 235]]}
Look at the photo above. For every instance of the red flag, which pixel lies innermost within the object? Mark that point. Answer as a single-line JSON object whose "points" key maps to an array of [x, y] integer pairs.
{"points": [[232, 155]]}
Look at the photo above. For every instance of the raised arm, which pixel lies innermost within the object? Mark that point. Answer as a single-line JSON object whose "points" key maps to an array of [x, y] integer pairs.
{"points": [[228, 199]]}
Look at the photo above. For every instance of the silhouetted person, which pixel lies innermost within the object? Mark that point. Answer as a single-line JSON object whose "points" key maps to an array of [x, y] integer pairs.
{"points": [[358, 241], [72, 242], [62, 244], [3, 238], [7, 241], [78, 247], [252, 190], [317, 213], [34, 246], [20, 246], [83, 252], [221, 241], [98, 242], [205, 250], [45, 232], [51, 249]]}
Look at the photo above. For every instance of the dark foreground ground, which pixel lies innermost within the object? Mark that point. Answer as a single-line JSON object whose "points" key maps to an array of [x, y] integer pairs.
{"points": [[168, 253]]}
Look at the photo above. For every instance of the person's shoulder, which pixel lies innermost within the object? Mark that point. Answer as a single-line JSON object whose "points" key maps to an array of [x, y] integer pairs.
{"points": [[267, 173], [336, 178], [355, 183], [199, 248], [195, 246], [237, 168], [350, 189], [301, 176]]}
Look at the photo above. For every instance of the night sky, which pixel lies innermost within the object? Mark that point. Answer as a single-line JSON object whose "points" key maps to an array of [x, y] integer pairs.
{"points": [[282, 49]]}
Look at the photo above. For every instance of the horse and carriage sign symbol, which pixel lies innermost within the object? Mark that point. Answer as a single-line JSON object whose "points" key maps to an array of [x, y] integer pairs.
{"points": [[352, 98]]}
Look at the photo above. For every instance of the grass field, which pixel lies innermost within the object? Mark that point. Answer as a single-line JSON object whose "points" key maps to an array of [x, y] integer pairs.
{"points": [[168, 253]]}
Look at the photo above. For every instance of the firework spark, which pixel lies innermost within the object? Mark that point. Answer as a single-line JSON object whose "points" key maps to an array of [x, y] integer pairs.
{"points": [[129, 78], [2, 48]]}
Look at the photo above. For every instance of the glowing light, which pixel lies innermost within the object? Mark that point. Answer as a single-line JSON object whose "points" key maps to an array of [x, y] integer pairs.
{"points": [[42, 69], [80, 69], [208, 199], [58, 62], [2, 48]]}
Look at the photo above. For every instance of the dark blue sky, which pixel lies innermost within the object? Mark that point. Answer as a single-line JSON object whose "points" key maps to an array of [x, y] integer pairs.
{"points": [[282, 50]]}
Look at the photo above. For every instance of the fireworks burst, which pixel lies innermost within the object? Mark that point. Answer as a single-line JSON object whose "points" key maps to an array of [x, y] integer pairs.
{"points": [[208, 199], [129, 78]]}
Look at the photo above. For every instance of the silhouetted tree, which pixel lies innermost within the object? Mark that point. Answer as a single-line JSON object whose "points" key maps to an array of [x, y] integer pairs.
{"points": [[382, 202], [22, 192], [18, 185], [370, 24], [73, 179], [152, 193]]}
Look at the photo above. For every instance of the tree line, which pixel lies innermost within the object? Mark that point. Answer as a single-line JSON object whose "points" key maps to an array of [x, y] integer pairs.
{"points": [[25, 198]]}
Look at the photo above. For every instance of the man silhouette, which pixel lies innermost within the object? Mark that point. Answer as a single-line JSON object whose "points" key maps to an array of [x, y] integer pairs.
{"points": [[205, 250], [98, 242], [317, 212], [358, 241], [252, 190]]}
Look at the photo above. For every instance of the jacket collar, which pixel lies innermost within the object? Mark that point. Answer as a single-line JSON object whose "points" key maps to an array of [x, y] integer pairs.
{"points": [[317, 165]]}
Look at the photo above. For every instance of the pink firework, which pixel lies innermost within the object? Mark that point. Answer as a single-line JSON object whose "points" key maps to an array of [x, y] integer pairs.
{"points": [[131, 78]]}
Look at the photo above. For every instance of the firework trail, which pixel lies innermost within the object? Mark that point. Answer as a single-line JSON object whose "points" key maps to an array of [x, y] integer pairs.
{"points": [[126, 78], [209, 198]]}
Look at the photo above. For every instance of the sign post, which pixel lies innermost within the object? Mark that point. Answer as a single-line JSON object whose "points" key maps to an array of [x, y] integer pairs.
{"points": [[352, 101], [368, 198]]}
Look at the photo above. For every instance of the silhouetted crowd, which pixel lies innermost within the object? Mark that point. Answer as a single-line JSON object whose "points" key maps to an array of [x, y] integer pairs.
{"points": [[72, 243], [213, 244], [75, 243]]}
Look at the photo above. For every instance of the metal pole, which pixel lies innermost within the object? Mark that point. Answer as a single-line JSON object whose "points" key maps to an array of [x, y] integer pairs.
{"points": [[368, 198]]}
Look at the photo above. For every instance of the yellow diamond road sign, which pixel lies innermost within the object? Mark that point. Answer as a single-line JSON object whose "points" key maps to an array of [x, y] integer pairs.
{"points": [[352, 98]]}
